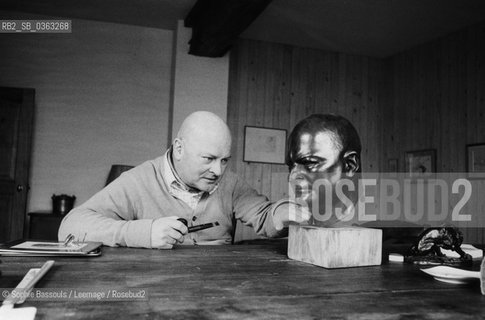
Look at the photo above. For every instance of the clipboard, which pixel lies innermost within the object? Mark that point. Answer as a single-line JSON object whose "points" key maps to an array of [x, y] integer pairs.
{"points": [[42, 248]]}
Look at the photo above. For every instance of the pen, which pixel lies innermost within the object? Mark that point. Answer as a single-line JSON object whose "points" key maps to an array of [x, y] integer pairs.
{"points": [[200, 226], [69, 240]]}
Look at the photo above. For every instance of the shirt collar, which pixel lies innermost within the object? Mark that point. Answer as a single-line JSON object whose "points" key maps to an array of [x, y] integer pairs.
{"points": [[171, 175]]}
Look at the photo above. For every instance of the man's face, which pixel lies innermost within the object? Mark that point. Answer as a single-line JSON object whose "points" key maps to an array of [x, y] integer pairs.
{"points": [[201, 161], [317, 157]]}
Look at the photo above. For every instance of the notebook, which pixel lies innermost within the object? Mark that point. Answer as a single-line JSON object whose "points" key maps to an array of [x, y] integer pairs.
{"points": [[31, 248]]}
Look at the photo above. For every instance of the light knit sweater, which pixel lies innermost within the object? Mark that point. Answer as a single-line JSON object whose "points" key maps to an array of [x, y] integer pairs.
{"points": [[122, 213]]}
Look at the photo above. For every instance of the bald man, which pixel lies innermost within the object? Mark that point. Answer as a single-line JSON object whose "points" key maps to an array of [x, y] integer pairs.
{"points": [[141, 208]]}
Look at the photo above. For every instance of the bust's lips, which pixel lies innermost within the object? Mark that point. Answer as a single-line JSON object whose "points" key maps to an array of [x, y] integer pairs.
{"points": [[302, 190], [305, 195]]}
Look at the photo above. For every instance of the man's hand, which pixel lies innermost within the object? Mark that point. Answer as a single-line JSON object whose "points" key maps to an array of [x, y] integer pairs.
{"points": [[290, 212], [166, 232]]}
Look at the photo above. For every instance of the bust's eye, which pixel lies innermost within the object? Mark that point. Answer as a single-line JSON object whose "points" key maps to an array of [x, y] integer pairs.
{"points": [[311, 163]]}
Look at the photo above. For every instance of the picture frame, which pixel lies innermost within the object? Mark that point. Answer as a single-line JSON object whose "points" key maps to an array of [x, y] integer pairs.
{"points": [[264, 145], [420, 163], [475, 160]]}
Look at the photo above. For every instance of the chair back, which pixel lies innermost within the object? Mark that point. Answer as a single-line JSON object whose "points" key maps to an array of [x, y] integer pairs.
{"points": [[116, 171]]}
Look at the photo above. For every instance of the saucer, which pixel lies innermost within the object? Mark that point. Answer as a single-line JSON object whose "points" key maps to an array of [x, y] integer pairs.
{"points": [[452, 275]]}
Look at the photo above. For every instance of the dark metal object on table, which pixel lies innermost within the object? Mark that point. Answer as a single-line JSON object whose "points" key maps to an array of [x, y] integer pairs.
{"points": [[62, 204], [427, 248]]}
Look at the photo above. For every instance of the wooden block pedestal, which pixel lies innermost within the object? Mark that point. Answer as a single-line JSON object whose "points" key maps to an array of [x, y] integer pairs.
{"points": [[335, 247]]}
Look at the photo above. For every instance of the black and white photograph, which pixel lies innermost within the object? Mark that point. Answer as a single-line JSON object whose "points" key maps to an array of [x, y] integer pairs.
{"points": [[242, 159]]}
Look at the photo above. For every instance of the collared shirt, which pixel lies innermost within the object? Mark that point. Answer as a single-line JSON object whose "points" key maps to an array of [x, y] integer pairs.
{"points": [[177, 187], [122, 214]]}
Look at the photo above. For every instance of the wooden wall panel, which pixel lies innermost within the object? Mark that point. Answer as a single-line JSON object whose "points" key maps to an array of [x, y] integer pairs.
{"points": [[273, 85], [429, 97], [437, 102], [438, 99]]}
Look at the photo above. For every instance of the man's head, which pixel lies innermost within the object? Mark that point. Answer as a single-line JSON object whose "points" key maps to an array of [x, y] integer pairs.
{"points": [[201, 150], [322, 147]]}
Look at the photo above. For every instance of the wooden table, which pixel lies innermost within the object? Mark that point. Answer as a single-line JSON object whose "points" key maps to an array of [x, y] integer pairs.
{"points": [[255, 281]]}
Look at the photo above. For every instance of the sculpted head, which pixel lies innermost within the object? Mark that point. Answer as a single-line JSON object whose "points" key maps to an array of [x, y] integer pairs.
{"points": [[322, 149], [202, 150]]}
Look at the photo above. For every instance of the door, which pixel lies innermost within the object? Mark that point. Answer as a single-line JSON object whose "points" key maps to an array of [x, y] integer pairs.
{"points": [[16, 122]]}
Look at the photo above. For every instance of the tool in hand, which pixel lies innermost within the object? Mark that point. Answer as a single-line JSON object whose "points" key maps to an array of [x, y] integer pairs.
{"points": [[198, 227]]}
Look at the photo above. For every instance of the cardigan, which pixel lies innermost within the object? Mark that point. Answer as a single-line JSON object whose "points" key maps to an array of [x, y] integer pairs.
{"points": [[122, 213]]}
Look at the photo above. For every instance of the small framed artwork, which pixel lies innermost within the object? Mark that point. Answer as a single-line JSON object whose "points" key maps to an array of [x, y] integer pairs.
{"points": [[475, 154], [265, 145], [421, 163]]}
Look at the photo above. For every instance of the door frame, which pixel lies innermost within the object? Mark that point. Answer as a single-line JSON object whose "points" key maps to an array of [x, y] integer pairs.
{"points": [[19, 220]]}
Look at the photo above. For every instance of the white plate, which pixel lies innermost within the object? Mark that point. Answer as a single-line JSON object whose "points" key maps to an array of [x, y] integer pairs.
{"points": [[452, 275]]}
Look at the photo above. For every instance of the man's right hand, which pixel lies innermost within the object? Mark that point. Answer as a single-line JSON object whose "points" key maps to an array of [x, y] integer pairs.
{"points": [[166, 232], [290, 212]]}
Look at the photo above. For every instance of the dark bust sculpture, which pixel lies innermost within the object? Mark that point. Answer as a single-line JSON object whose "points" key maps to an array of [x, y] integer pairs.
{"points": [[323, 156]]}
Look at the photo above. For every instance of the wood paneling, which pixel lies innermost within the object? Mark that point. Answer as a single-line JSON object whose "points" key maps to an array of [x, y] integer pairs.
{"points": [[429, 97], [438, 102], [274, 85], [438, 99]]}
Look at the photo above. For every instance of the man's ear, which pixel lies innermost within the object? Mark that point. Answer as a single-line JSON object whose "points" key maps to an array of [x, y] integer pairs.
{"points": [[351, 163], [177, 149]]}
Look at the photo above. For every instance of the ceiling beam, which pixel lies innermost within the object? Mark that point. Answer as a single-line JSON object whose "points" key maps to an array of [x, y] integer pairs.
{"points": [[216, 24]]}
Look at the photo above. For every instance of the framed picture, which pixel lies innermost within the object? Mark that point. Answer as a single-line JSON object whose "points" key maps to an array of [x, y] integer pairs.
{"points": [[266, 145], [475, 162], [421, 163]]}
